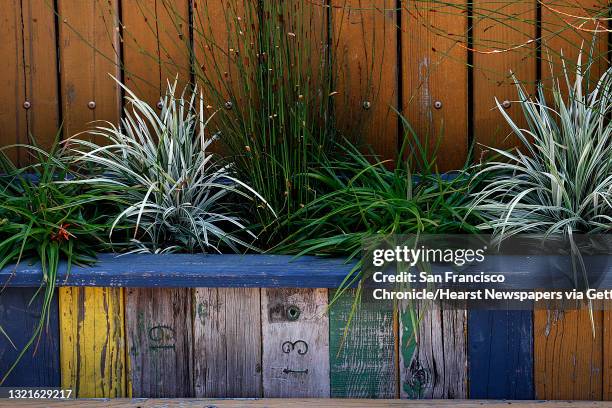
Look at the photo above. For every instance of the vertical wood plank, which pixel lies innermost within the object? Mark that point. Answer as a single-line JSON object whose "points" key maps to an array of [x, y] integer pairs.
{"points": [[565, 29], [363, 361], [227, 343], [364, 52], [607, 353], [89, 53], [434, 64], [155, 46], [159, 336], [39, 367], [568, 357], [509, 27], [295, 339], [29, 68], [438, 366], [92, 342], [12, 80], [500, 354]]}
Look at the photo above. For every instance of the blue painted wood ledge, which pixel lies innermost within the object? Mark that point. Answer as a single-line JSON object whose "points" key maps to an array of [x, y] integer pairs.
{"points": [[186, 270]]}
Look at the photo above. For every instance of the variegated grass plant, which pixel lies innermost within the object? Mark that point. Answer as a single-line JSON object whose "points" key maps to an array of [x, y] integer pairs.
{"points": [[177, 195], [559, 180]]}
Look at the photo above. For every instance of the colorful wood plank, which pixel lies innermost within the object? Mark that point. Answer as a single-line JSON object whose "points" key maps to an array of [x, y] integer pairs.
{"points": [[19, 316], [437, 367], [92, 342], [89, 31], [295, 340], [503, 37], [500, 354], [155, 46], [362, 347], [159, 337], [568, 355], [28, 84], [227, 343], [607, 354], [365, 56], [303, 403], [191, 270], [434, 71]]}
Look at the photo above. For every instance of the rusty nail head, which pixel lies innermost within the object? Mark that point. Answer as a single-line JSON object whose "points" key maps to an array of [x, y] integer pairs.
{"points": [[91, 105], [27, 105], [506, 104], [367, 105], [438, 104]]}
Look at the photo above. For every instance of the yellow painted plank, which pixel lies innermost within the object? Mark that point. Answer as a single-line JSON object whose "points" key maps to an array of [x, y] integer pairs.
{"points": [[92, 341]]}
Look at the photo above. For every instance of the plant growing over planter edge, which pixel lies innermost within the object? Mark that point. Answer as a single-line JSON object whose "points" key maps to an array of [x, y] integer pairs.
{"points": [[177, 195], [561, 184], [559, 180], [363, 198], [45, 218]]}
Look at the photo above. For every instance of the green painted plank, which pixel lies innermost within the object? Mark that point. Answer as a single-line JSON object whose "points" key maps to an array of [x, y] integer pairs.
{"points": [[363, 363]]}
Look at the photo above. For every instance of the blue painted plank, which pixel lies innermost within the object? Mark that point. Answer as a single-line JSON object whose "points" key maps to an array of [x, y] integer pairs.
{"points": [[39, 366], [186, 270], [500, 354]]}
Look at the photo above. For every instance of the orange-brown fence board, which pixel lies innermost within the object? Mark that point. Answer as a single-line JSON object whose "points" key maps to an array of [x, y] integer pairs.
{"points": [[88, 31], [155, 36], [28, 86], [502, 45], [364, 54], [434, 71]]}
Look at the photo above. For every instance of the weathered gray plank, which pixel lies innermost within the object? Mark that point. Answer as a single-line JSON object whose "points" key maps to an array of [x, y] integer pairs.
{"points": [[227, 343], [159, 335], [363, 358], [436, 366], [295, 341]]}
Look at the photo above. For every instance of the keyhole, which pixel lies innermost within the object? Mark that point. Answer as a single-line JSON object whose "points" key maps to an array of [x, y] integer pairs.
{"points": [[293, 313]]}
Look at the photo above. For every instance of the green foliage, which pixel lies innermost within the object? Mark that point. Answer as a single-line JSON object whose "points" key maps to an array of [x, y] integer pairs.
{"points": [[45, 218], [177, 195], [364, 199], [270, 78], [559, 180]]}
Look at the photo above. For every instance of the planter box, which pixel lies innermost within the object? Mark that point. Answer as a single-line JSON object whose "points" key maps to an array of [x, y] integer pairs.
{"points": [[257, 326]]}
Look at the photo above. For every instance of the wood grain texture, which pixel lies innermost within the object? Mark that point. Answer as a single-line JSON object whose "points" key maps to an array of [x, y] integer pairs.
{"points": [[500, 354], [568, 355], [607, 354], [92, 342], [89, 52], [39, 367], [12, 80], [363, 360], [510, 28], [159, 336], [438, 366], [364, 53], [190, 270], [29, 73], [434, 69], [298, 403], [566, 28], [295, 339], [155, 46], [227, 343]]}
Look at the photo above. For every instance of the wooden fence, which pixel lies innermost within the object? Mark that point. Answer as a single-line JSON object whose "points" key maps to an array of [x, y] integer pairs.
{"points": [[55, 57]]}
